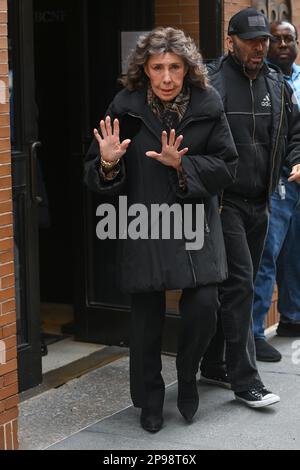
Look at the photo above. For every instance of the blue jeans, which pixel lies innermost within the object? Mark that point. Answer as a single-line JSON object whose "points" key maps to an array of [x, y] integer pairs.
{"points": [[280, 260]]}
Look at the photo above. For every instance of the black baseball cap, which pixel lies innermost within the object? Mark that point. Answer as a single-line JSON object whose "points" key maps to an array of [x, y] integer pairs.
{"points": [[249, 24]]}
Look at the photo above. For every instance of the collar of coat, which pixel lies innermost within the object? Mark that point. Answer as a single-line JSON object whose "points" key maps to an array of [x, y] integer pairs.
{"points": [[269, 70], [204, 104]]}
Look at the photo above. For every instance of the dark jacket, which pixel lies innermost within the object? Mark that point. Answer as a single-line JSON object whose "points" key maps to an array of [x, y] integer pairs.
{"points": [[153, 265], [263, 141]]}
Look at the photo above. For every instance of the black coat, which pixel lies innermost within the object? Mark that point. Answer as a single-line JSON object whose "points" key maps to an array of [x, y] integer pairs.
{"points": [[284, 135], [154, 265]]}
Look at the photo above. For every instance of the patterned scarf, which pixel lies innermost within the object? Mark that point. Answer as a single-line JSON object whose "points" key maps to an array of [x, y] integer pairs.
{"points": [[170, 113]]}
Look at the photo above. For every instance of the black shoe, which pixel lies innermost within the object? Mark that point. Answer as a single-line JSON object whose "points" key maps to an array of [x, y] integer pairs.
{"points": [[265, 352], [188, 399], [257, 397], [288, 329], [151, 421], [220, 379]]}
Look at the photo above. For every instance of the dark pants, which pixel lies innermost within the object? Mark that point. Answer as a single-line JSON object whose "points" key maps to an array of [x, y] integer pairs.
{"points": [[244, 226], [198, 316]]}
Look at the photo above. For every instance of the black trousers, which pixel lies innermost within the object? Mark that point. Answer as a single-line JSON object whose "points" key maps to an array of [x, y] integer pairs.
{"points": [[245, 226], [198, 317]]}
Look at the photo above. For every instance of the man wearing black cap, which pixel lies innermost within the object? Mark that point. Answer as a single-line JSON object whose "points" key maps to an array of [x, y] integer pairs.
{"points": [[266, 128]]}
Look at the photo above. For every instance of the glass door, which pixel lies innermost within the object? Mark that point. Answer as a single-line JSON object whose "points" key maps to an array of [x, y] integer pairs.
{"points": [[26, 196], [102, 311]]}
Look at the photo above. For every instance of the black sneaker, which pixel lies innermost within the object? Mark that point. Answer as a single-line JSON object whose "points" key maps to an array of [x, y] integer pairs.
{"points": [[265, 352], [257, 397], [288, 329], [221, 379]]}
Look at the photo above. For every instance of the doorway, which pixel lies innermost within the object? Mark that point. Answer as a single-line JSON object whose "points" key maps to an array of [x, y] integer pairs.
{"points": [[55, 26], [77, 56], [65, 60]]}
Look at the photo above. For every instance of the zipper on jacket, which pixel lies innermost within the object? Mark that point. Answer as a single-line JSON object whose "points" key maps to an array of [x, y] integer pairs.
{"points": [[192, 266], [277, 140], [146, 124], [184, 124], [188, 253], [254, 126], [206, 230], [221, 202], [206, 226]]}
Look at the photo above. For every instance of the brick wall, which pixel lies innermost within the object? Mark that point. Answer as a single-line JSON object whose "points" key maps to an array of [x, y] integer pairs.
{"points": [[295, 5], [230, 8], [8, 357], [183, 14]]}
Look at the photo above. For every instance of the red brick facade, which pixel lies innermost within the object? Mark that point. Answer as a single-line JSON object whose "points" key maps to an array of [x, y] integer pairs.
{"points": [[179, 13], [183, 14], [8, 347], [295, 5], [232, 7]]}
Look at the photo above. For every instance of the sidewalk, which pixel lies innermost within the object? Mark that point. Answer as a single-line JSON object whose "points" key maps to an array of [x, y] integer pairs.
{"points": [[221, 422]]}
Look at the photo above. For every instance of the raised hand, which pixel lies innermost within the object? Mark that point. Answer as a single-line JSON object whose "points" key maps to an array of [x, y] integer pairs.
{"points": [[109, 143], [170, 154]]}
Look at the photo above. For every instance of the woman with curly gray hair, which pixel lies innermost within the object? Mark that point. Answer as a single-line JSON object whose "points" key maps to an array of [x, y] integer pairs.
{"points": [[166, 101], [161, 41]]}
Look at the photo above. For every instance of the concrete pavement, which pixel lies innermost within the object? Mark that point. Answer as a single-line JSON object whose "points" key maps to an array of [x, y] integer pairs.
{"points": [[221, 422]]}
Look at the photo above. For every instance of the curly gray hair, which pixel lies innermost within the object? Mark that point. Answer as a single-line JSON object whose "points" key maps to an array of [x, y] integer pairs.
{"points": [[161, 41]]}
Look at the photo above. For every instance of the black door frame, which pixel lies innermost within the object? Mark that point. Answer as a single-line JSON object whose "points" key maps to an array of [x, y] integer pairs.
{"points": [[96, 322], [211, 28], [25, 197], [100, 322]]}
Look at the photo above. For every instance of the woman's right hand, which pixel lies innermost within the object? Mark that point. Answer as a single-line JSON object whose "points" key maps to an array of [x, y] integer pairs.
{"points": [[109, 143]]}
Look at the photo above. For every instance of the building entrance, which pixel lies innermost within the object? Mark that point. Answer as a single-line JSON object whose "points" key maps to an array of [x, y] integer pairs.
{"points": [[65, 60]]}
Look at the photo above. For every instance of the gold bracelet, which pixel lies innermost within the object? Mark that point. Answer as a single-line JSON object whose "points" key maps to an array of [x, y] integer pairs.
{"points": [[109, 165], [110, 175]]}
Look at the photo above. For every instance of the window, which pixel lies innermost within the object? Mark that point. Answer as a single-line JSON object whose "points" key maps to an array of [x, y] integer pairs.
{"points": [[275, 10]]}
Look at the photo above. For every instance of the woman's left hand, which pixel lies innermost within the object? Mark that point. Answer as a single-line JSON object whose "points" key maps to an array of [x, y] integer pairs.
{"points": [[170, 154]]}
